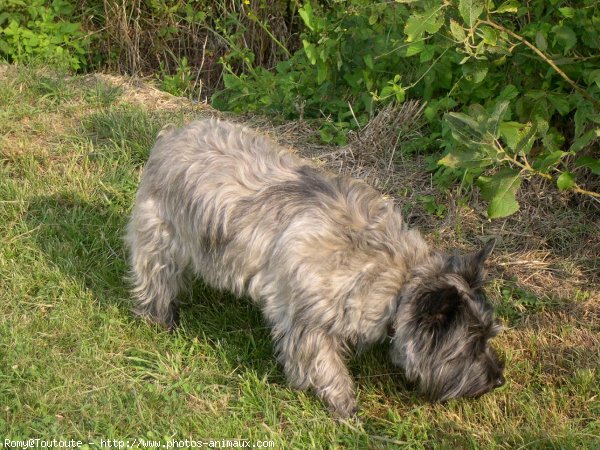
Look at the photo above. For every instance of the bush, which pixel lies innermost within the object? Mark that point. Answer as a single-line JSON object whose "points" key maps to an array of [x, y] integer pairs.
{"points": [[334, 74], [512, 90], [38, 29]]}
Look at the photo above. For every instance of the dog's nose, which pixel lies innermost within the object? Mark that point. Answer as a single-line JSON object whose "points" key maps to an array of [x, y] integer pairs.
{"points": [[499, 381]]}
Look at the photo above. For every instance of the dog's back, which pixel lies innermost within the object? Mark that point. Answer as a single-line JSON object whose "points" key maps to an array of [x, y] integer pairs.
{"points": [[219, 156], [243, 199]]}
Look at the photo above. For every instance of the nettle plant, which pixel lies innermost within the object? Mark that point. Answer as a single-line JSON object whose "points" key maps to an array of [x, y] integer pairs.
{"points": [[533, 119], [38, 29]]}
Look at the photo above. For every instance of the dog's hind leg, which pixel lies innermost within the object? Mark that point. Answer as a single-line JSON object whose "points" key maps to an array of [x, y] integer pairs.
{"points": [[157, 263], [314, 359]]}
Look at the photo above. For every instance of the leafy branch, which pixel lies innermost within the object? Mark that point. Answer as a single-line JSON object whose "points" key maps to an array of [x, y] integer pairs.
{"points": [[486, 141], [545, 58]]}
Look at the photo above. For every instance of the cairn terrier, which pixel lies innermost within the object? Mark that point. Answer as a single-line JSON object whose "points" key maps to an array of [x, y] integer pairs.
{"points": [[328, 260]]}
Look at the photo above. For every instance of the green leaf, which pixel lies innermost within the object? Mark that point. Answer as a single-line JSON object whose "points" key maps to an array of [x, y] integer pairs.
{"points": [[567, 12], [584, 115], [564, 36], [478, 112], [415, 48], [584, 140], [400, 94], [466, 159], [427, 54], [231, 81], [266, 100], [527, 140], [475, 72], [493, 121], [540, 41], [386, 92], [594, 77], [549, 161], [509, 92], [511, 131], [434, 106], [500, 191], [458, 32], [565, 181], [560, 102], [70, 28], [326, 135], [552, 140], [311, 51], [306, 14], [429, 21], [591, 163], [470, 10], [322, 72], [510, 6], [490, 36], [368, 59], [518, 137], [431, 205], [465, 129]]}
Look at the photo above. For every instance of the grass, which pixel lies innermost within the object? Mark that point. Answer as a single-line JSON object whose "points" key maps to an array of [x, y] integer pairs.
{"points": [[75, 364]]}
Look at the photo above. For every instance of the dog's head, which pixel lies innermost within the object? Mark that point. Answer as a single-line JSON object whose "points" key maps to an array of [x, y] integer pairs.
{"points": [[443, 326]]}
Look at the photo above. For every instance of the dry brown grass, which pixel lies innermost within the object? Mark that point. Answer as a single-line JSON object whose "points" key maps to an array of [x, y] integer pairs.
{"points": [[374, 152], [151, 37], [140, 91]]}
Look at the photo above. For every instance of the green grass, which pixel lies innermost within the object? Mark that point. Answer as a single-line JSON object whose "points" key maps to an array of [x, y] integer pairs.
{"points": [[75, 364]]}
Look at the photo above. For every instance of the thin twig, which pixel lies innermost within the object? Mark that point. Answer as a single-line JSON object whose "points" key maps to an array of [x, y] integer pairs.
{"points": [[585, 192]]}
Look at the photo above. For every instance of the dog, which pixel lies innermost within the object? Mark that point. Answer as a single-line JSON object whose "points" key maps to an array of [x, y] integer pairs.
{"points": [[329, 261]]}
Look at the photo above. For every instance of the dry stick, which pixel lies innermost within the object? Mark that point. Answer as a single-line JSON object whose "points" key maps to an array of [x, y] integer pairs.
{"points": [[538, 52]]}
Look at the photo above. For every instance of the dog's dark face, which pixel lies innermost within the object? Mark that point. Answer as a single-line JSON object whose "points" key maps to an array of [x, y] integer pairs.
{"points": [[443, 327]]}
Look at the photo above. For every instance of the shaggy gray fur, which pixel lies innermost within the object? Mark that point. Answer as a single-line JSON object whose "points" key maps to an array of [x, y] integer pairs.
{"points": [[327, 258]]}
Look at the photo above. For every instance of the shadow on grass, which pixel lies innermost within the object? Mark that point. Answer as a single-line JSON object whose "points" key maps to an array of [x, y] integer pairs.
{"points": [[84, 240]]}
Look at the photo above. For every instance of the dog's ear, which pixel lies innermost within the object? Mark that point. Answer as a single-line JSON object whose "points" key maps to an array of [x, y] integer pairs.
{"points": [[438, 308], [476, 264], [471, 266], [480, 257]]}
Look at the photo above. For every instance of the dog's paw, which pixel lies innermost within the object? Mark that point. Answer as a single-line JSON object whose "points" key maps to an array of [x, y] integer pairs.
{"points": [[345, 409]]}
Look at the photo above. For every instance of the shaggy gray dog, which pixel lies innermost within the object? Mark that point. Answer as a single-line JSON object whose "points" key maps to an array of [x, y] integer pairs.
{"points": [[327, 259]]}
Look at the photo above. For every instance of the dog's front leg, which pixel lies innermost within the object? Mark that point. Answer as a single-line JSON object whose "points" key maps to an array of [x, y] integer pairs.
{"points": [[314, 359]]}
